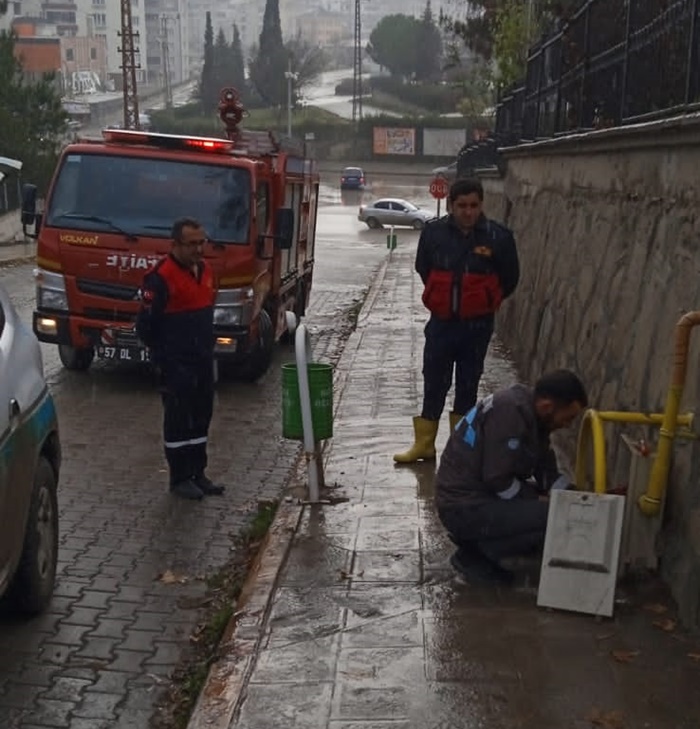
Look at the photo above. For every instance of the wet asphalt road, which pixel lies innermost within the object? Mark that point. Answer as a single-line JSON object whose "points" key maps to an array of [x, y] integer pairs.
{"points": [[113, 632]]}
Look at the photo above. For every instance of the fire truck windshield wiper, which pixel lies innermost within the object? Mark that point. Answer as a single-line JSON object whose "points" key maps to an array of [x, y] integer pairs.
{"points": [[98, 219]]}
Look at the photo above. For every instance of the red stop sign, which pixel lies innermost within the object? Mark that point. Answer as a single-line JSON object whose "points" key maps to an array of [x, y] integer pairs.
{"points": [[439, 188]]}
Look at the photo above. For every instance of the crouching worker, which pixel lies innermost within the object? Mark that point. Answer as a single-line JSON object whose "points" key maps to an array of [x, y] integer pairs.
{"points": [[495, 470]]}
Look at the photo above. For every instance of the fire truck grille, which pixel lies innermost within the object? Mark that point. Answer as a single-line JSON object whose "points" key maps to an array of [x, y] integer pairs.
{"points": [[109, 315], [107, 290]]}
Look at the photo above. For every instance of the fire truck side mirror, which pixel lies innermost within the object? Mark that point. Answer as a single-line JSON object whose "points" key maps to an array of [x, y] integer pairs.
{"points": [[29, 215], [284, 228], [29, 193]]}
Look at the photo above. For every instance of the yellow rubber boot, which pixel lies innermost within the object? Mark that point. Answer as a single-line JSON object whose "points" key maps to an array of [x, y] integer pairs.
{"points": [[423, 449], [454, 419]]}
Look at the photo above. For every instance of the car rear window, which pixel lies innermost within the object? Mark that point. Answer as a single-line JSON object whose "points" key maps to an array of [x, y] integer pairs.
{"points": [[353, 171]]}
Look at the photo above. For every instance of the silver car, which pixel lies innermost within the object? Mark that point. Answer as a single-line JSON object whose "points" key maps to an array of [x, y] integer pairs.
{"points": [[393, 211], [30, 459]]}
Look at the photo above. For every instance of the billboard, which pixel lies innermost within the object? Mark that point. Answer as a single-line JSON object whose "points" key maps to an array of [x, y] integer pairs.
{"points": [[443, 142], [394, 140]]}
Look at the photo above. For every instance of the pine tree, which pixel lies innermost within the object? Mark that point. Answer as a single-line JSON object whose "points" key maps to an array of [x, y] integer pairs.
{"points": [[237, 70], [208, 91], [222, 62], [429, 47], [269, 65]]}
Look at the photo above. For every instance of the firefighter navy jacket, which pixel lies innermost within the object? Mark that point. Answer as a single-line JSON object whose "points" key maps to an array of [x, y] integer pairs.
{"points": [[176, 319], [466, 275]]}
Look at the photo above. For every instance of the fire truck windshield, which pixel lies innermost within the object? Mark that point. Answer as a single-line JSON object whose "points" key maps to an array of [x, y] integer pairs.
{"points": [[104, 193]]}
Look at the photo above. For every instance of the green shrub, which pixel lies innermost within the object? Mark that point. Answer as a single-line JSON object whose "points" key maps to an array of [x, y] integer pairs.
{"points": [[439, 98]]}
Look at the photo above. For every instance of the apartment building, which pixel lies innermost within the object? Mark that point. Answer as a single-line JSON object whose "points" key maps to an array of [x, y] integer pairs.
{"points": [[166, 41], [86, 19]]}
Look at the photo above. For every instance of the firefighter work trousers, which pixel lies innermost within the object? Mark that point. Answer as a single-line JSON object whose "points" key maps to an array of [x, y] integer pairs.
{"points": [[458, 346], [498, 528], [188, 402]]}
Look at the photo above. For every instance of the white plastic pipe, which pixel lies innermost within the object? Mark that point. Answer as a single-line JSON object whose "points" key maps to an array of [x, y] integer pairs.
{"points": [[301, 347]]}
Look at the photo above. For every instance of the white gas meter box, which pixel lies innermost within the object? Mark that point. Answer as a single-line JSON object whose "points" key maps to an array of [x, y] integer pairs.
{"points": [[581, 552]]}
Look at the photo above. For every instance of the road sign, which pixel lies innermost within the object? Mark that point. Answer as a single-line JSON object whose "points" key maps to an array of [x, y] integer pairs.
{"points": [[439, 188]]}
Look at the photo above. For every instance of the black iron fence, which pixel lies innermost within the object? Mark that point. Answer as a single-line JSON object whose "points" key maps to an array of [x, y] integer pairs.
{"points": [[613, 62]]}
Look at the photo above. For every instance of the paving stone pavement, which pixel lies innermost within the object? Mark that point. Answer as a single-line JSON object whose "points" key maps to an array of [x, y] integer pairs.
{"points": [[368, 628], [101, 654]]}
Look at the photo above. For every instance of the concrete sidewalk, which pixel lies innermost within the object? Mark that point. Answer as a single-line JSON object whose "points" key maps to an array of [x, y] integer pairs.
{"points": [[355, 620]]}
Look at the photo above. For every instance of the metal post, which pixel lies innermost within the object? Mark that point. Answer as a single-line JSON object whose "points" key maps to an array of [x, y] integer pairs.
{"points": [[557, 108], [312, 453], [626, 61], [289, 100], [691, 92], [586, 58]]}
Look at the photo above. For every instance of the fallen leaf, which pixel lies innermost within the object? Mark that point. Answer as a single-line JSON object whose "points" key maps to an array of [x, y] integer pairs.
{"points": [[344, 575], [170, 578], [606, 719], [624, 656], [655, 607], [605, 636], [694, 657], [666, 624]]}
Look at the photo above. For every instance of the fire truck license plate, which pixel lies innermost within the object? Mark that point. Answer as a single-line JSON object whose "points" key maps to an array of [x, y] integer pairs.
{"points": [[123, 354]]}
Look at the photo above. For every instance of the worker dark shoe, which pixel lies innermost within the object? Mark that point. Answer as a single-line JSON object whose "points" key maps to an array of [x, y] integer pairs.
{"points": [[207, 486], [478, 570], [187, 490]]}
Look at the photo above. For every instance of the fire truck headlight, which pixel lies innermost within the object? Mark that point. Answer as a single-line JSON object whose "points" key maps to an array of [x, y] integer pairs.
{"points": [[233, 307], [50, 290], [228, 315]]}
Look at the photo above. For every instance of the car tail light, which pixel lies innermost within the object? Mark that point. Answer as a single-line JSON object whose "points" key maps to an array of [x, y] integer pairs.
{"points": [[362, 180]]}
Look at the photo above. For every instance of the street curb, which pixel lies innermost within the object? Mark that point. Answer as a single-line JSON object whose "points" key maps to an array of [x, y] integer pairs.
{"points": [[5, 262], [227, 680]]}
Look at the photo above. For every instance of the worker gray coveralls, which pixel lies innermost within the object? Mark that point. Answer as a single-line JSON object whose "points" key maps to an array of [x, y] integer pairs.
{"points": [[496, 463]]}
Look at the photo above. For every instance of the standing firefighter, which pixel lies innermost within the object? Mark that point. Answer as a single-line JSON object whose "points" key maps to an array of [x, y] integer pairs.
{"points": [[469, 265], [176, 323]]}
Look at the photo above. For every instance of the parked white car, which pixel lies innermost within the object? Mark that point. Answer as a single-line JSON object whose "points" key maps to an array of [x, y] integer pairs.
{"points": [[30, 460], [393, 211]]}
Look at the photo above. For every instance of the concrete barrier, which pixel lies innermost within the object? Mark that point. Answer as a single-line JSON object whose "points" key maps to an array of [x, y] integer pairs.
{"points": [[10, 228]]}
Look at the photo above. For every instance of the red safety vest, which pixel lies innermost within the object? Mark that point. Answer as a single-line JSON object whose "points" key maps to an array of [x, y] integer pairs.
{"points": [[451, 295], [185, 293]]}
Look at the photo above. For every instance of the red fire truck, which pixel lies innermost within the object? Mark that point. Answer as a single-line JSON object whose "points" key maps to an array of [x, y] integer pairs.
{"points": [[107, 220]]}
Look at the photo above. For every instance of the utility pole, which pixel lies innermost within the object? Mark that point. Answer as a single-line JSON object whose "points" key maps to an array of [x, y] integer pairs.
{"points": [[128, 52], [291, 77], [165, 62], [357, 67]]}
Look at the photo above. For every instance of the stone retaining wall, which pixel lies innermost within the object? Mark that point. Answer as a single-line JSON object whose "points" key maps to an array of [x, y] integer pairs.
{"points": [[608, 228]]}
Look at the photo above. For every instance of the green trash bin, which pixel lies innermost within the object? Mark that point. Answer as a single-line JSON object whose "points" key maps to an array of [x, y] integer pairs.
{"points": [[321, 393]]}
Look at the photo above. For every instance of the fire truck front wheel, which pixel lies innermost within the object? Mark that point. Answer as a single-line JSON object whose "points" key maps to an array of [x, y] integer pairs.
{"points": [[75, 359], [258, 361]]}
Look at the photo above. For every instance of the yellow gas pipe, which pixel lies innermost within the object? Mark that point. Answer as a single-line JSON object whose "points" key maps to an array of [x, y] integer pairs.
{"points": [[650, 502], [669, 421], [592, 430]]}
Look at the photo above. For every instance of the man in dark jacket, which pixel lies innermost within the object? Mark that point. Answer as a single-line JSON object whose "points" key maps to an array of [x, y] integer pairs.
{"points": [[468, 265], [497, 470], [176, 323]]}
